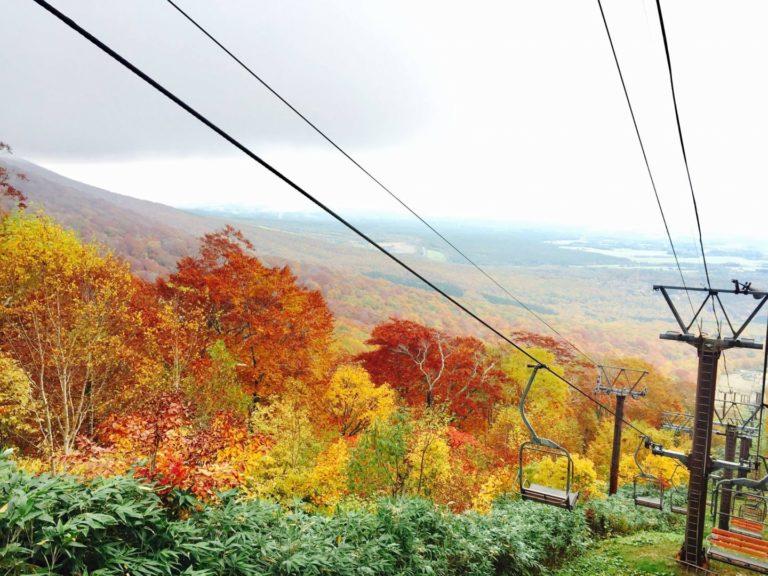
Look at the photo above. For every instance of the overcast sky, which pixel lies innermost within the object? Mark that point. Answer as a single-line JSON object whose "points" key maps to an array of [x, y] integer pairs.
{"points": [[504, 110]]}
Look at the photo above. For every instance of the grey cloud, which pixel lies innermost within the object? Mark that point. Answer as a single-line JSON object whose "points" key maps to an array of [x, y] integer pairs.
{"points": [[61, 98]]}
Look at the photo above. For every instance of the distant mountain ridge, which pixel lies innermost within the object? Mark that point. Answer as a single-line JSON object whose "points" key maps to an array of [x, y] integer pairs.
{"points": [[151, 236]]}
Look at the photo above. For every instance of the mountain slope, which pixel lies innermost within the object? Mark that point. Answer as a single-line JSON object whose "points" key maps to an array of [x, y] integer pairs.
{"points": [[150, 236], [153, 236]]}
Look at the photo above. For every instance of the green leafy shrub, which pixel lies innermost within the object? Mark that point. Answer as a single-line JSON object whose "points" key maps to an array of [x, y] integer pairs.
{"points": [[400, 536], [618, 515], [59, 525]]}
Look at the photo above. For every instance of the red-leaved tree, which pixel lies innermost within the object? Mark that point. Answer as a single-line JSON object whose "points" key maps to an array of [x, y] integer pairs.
{"points": [[428, 367]]}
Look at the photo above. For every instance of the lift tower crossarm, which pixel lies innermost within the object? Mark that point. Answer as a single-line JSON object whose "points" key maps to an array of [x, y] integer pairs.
{"points": [[714, 294]]}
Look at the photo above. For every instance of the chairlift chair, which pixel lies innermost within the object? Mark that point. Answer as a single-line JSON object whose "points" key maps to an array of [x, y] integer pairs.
{"points": [[753, 507], [554, 496], [748, 513], [742, 544], [676, 509], [738, 550], [652, 495]]}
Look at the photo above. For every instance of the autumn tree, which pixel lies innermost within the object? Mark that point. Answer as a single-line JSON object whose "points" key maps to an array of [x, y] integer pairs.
{"points": [[379, 462], [429, 453], [175, 335], [428, 367], [217, 388], [275, 328], [326, 483], [355, 402], [284, 426], [64, 317], [161, 442], [601, 447]]}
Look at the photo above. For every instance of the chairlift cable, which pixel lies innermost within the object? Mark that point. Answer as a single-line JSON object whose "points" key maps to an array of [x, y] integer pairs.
{"points": [[682, 142], [285, 179], [645, 155], [378, 182]]}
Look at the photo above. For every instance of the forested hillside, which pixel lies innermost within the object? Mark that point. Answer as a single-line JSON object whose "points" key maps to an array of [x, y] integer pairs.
{"points": [[229, 384], [226, 373]]}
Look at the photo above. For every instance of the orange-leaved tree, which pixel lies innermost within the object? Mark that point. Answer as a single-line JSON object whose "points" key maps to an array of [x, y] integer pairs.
{"points": [[275, 328]]}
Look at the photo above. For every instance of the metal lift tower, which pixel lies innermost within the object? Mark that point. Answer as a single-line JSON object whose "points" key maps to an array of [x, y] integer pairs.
{"points": [[619, 382], [709, 349]]}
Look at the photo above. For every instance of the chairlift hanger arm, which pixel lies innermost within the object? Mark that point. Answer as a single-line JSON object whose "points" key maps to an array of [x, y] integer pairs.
{"points": [[535, 438], [735, 466], [761, 484]]}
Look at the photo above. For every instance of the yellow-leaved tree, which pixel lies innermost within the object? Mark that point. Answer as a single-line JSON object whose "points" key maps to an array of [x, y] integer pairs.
{"points": [[283, 425], [355, 402], [327, 482], [428, 453], [600, 449], [65, 317], [17, 406]]}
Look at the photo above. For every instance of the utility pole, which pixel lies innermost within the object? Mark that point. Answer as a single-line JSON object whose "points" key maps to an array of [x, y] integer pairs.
{"points": [[709, 350], [619, 382]]}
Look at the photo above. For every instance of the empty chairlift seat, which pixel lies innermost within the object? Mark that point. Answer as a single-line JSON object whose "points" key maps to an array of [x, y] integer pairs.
{"points": [[655, 502], [681, 509], [546, 495], [675, 509], [738, 550], [561, 496], [748, 510], [746, 527]]}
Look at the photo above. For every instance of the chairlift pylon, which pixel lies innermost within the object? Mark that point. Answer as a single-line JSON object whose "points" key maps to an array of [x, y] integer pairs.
{"points": [[562, 498]]}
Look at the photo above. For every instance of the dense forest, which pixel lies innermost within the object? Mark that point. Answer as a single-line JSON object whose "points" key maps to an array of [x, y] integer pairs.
{"points": [[219, 395]]}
